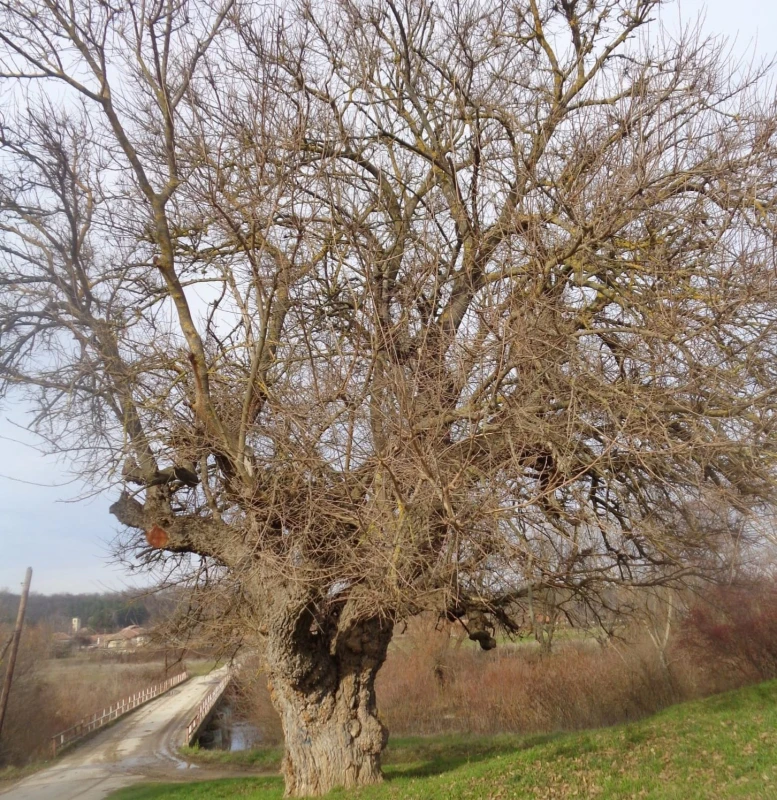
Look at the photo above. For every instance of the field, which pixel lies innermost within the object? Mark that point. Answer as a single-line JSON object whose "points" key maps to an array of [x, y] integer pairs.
{"points": [[722, 747]]}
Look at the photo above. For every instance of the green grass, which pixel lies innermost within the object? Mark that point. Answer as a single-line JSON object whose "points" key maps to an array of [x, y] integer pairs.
{"points": [[718, 748], [265, 759], [197, 668]]}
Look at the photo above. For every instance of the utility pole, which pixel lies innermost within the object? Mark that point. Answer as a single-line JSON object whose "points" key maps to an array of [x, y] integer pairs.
{"points": [[17, 634]]}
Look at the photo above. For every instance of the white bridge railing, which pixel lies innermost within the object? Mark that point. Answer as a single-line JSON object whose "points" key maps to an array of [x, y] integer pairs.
{"points": [[113, 712], [206, 706]]}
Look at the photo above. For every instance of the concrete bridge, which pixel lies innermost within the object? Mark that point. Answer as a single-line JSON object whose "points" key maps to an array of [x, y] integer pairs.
{"points": [[142, 746]]}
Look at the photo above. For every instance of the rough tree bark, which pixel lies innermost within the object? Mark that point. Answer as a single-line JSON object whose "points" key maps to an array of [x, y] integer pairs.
{"points": [[323, 688]]}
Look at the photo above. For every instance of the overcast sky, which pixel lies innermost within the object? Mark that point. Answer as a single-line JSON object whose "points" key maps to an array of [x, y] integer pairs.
{"points": [[68, 543]]}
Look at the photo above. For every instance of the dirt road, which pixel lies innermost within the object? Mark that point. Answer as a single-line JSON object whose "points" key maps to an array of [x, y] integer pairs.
{"points": [[141, 746]]}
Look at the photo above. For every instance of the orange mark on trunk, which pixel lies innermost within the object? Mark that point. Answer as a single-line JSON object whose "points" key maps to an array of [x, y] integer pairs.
{"points": [[157, 537]]}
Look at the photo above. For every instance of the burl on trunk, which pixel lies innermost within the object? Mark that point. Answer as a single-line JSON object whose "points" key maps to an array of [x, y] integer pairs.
{"points": [[324, 691]]}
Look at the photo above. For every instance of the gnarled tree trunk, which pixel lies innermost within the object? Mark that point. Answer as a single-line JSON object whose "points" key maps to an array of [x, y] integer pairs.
{"points": [[324, 691]]}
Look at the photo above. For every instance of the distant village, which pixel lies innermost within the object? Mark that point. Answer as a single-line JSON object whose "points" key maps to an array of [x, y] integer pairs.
{"points": [[83, 638]]}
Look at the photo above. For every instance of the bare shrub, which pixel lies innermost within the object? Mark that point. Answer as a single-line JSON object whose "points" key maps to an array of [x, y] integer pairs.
{"points": [[732, 632], [436, 681], [518, 689], [31, 698]]}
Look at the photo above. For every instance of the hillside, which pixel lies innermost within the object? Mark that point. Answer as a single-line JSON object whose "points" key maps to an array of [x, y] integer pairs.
{"points": [[721, 747]]}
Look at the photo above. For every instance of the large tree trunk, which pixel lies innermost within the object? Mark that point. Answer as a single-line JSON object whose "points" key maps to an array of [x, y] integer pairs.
{"points": [[324, 691]]}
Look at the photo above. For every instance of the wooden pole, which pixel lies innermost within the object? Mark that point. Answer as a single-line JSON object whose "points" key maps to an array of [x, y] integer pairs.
{"points": [[17, 635]]}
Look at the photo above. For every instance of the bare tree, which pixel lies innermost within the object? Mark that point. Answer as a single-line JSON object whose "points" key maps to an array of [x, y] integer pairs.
{"points": [[377, 308]]}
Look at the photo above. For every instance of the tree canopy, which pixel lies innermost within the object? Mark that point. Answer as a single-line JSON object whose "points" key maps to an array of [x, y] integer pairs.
{"points": [[376, 308]]}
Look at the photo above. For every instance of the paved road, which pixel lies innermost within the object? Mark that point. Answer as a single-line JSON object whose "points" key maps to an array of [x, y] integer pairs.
{"points": [[141, 746]]}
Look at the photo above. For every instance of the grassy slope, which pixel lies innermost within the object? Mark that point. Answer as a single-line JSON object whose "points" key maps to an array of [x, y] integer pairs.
{"points": [[721, 747]]}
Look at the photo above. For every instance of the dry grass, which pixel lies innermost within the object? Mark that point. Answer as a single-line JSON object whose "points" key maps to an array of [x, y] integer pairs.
{"points": [[433, 683], [436, 682]]}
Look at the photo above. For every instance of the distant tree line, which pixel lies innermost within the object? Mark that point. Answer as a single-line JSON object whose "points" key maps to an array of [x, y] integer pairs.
{"points": [[105, 612]]}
